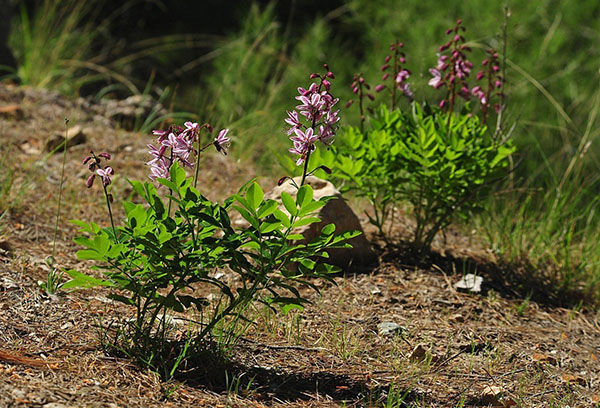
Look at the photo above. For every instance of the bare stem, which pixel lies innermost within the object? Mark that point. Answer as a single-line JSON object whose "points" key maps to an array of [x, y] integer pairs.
{"points": [[60, 188]]}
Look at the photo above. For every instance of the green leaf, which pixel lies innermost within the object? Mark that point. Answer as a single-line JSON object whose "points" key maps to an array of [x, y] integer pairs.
{"points": [[254, 196], [168, 183], [304, 195], [305, 221], [311, 207], [89, 254], [329, 229], [267, 208], [80, 280], [295, 237], [289, 203], [267, 227], [282, 217], [286, 308]]}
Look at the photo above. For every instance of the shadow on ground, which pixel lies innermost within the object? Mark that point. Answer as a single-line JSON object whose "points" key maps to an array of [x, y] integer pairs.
{"points": [[272, 384], [517, 280]]}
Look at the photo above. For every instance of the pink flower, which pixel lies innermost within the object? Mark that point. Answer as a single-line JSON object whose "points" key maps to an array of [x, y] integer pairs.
{"points": [[304, 143], [105, 174], [437, 80], [316, 107], [222, 142]]}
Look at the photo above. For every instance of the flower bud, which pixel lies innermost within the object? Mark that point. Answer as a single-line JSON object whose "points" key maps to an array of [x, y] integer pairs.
{"points": [[402, 60], [456, 38], [104, 156], [355, 90], [349, 103], [387, 59], [90, 181], [361, 80], [385, 76], [448, 31], [281, 180], [385, 66], [379, 88], [330, 75], [313, 76], [324, 168], [442, 103], [498, 84], [326, 84], [87, 159], [370, 96], [480, 75]]}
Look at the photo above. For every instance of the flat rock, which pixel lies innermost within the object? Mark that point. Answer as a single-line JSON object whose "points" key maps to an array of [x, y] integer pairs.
{"points": [[469, 283], [390, 328], [338, 212], [77, 136]]}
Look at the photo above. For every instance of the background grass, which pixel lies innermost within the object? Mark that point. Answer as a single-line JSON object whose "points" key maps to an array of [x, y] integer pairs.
{"points": [[244, 74]]}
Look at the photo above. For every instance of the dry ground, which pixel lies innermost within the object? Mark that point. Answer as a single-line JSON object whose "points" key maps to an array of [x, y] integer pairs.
{"points": [[453, 346]]}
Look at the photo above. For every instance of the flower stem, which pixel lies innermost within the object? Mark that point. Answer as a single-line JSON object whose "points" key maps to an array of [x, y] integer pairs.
{"points": [[197, 162], [60, 188], [110, 214], [305, 169]]}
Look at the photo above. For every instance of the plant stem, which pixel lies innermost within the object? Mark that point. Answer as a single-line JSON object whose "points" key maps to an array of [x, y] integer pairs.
{"points": [[197, 163], [305, 169], [112, 223], [60, 188]]}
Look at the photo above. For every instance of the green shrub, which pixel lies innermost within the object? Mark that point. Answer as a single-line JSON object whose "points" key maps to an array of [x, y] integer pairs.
{"points": [[443, 164]]}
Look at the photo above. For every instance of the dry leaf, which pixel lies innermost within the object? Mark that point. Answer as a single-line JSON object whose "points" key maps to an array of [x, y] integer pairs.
{"points": [[573, 379], [544, 359], [491, 396], [11, 110], [419, 353]]}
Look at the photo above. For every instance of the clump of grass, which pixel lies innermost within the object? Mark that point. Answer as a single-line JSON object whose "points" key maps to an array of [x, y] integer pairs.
{"points": [[51, 44]]}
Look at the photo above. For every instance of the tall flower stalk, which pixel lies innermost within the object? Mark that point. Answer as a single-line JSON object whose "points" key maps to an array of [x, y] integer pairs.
{"points": [[395, 73], [453, 68], [53, 284], [492, 84], [320, 120], [360, 87]]}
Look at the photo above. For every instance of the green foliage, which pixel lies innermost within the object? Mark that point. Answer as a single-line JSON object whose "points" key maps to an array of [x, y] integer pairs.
{"points": [[443, 165], [157, 260], [53, 45]]}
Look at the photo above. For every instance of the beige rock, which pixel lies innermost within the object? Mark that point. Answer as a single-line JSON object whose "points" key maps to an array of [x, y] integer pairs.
{"points": [[338, 212]]}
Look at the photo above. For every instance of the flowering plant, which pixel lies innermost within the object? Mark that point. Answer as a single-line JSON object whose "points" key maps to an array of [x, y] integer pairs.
{"points": [[158, 258], [440, 161]]}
